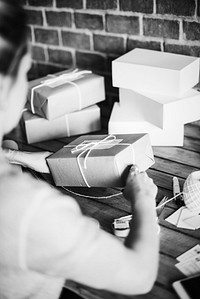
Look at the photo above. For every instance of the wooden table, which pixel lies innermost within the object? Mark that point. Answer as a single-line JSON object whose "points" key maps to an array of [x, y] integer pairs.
{"points": [[169, 162]]}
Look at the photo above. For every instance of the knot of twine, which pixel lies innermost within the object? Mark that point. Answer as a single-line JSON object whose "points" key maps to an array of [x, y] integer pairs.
{"points": [[87, 147]]}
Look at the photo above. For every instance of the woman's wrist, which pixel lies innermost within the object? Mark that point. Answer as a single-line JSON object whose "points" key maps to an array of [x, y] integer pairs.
{"points": [[11, 155], [143, 201]]}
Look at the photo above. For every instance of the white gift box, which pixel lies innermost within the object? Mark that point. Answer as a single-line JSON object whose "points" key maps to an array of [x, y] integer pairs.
{"points": [[122, 121], [65, 92], [162, 111], [76, 123], [155, 72]]}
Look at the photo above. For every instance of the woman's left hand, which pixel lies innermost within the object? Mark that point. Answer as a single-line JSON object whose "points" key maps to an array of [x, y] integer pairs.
{"points": [[33, 160]]}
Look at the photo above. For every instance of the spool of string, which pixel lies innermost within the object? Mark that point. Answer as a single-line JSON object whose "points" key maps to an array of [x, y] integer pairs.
{"points": [[191, 192]]}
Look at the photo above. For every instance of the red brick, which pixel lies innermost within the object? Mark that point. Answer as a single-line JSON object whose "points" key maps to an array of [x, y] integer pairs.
{"points": [[89, 21], [38, 53], [145, 6], [161, 28], [182, 49], [76, 40], [177, 7], [60, 57], [77, 4], [109, 44], [45, 36], [91, 61], [99, 4], [134, 43], [22, 2], [40, 2], [34, 17], [191, 30], [46, 69], [122, 24], [60, 19]]}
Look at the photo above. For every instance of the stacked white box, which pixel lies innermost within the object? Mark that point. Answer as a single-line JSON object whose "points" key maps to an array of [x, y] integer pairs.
{"points": [[156, 72], [160, 110], [156, 95], [121, 121]]}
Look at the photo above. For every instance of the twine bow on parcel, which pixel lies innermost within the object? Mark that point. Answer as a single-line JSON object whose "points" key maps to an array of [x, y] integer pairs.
{"points": [[61, 79], [86, 148], [191, 192]]}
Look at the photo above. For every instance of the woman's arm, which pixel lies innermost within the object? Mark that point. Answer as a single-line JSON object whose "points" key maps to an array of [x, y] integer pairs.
{"points": [[33, 160], [78, 250], [143, 238]]}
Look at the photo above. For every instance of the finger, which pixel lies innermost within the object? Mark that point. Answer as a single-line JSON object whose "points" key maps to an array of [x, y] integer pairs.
{"points": [[144, 173], [134, 170]]}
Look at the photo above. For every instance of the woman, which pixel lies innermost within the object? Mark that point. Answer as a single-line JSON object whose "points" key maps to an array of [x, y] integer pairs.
{"points": [[42, 232]]}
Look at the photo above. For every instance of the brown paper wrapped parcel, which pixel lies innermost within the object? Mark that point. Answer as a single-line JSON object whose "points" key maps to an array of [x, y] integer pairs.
{"points": [[100, 160], [65, 92], [76, 123]]}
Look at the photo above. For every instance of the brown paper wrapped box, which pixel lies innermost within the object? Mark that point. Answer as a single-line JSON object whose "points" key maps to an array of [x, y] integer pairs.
{"points": [[66, 92], [100, 160], [75, 123]]}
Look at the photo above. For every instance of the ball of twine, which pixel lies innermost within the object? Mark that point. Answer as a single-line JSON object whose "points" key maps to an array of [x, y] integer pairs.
{"points": [[191, 192]]}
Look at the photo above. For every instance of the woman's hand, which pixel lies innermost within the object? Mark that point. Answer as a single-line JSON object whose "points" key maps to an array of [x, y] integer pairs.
{"points": [[33, 160], [139, 186]]}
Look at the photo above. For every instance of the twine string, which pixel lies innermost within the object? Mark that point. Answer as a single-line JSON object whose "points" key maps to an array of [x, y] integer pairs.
{"points": [[88, 147], [170, 199], [66, 78], [92, 197]]}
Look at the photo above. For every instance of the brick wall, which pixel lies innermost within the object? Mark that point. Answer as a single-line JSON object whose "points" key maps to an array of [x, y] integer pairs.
{"points": [[91, 33]]}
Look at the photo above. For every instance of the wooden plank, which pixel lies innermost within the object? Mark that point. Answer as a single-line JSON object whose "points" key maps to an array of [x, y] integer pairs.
{"points": [[192, 144], [178, 154], [167, 272], [91, 293], [163, 180], [193, 131], [173, 168], [174, 242]]}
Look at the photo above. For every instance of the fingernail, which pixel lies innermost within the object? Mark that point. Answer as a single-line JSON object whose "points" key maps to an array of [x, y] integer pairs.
{"points": [[134, 169]]}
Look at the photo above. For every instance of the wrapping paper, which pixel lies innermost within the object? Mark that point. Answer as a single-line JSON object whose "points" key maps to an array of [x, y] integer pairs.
{"points": [[66, 92], [76, 123], [106, 164]]}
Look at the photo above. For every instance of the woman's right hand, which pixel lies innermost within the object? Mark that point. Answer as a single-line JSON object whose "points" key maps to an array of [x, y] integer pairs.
{"points": [[139, 186]]}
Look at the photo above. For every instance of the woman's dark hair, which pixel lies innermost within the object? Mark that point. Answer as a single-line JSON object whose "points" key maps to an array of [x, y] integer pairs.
{"points": [[13, 36]]}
